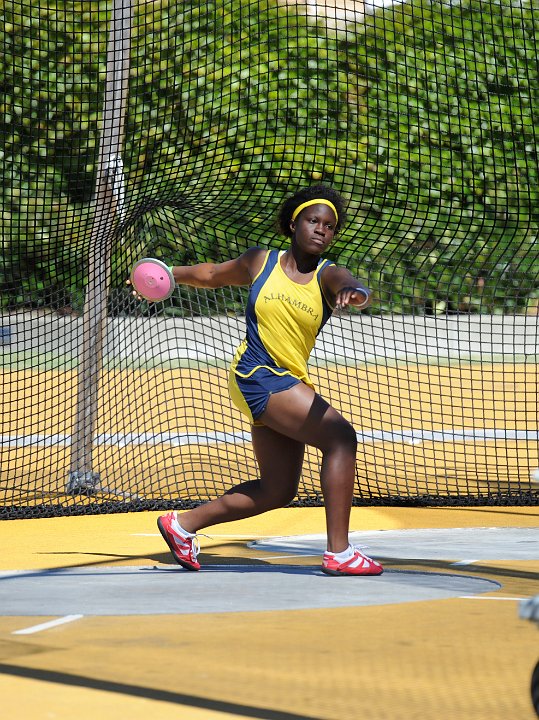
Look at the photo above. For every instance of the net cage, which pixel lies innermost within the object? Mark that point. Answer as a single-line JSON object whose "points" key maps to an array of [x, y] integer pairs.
{"points": [[175, 130]]}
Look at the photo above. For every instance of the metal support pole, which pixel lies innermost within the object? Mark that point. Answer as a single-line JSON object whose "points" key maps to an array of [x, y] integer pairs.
{"points": [[108, 198]]}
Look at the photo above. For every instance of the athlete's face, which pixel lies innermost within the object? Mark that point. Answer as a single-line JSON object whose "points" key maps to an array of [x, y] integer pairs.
{"points": [[314, 229]]}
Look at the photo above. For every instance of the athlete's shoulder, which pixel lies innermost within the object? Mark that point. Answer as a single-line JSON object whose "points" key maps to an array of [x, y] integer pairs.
{"points": [[335, 279], [332, 274], [254, 259], [325, 263]]}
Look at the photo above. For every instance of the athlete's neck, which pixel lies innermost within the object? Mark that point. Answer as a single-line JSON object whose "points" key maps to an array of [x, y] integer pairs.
{"points": [[297, 262]]}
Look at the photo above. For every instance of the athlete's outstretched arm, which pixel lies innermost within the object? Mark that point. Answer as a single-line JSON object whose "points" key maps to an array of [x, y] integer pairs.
{"points": [[343, 289], [239, 271]]}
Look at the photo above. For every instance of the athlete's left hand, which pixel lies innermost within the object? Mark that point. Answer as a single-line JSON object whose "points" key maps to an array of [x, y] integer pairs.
{"points": [[351, 296]]}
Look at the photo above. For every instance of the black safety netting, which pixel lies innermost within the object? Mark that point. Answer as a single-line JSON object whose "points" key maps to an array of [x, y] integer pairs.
{"points": [[175, 130]]}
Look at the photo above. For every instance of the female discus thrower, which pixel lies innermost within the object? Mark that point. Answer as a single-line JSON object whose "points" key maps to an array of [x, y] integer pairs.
{"points": [[292, 295]]}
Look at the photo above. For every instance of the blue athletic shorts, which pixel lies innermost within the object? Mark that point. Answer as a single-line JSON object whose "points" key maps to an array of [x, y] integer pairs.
{"points": [[251, 394]]}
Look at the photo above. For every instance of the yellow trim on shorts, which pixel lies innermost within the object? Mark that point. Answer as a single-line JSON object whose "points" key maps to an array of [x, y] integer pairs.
{"points": [[237, 397], [267, 367]]}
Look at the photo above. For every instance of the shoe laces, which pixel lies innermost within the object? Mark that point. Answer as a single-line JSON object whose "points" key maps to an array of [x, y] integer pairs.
{"points": [[195, 543], [360, 549], [195, 546], [355, 548], [367, 558]]}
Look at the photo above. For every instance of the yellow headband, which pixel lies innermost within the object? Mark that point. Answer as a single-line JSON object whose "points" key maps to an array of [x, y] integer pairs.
{"points": [[317, 201]]}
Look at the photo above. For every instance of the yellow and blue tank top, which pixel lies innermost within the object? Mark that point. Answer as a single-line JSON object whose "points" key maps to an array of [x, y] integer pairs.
{"points": [[283, 319]]}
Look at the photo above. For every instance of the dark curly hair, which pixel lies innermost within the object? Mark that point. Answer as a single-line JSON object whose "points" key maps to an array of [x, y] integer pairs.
{"points": [[324, 192]]}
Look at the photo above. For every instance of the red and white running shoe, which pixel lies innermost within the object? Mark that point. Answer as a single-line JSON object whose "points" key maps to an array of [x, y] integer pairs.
{"points": [[185, 548], [358, 564]]}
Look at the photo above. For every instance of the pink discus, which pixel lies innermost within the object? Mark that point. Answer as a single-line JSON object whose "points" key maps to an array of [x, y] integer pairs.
{"points": [[152, 279]]}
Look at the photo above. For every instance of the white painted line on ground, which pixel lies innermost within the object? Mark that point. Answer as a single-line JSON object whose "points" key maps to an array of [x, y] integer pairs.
{"points": [[225, 567], [464, 562], [413, 436], [479, 597], [240, 537], [47, 625]]}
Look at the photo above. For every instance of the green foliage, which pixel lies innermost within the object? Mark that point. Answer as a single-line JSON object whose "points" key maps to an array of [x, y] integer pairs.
{"points": [[425, 117], [452, 128], [48, 128]]}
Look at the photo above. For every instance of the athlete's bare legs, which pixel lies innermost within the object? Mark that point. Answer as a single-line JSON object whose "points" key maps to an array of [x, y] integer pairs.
{"points": [[292, 419]]}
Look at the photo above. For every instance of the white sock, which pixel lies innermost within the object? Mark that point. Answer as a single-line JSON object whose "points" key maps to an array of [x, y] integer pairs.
{"points": [[178, 528], [344, 555]]}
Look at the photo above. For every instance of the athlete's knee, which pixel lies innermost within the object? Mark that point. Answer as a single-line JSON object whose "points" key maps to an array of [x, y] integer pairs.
{"points": [[340, 436], [279, 497], [348, 436]]}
